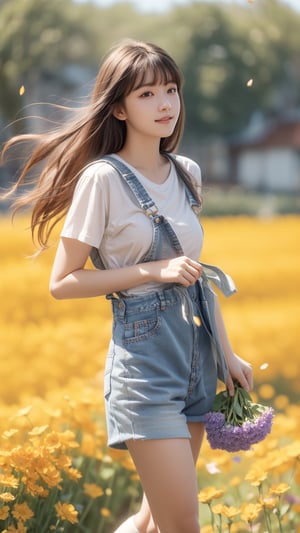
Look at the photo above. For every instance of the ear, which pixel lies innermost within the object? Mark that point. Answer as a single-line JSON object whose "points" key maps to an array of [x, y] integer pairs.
{"points": [[119, 112]]}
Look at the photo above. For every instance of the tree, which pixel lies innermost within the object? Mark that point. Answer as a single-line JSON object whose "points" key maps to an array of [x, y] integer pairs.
{"points": [[229, 46], [37, 40]]}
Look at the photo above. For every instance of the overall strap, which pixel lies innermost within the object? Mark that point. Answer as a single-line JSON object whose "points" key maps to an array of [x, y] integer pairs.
{"points": [[139, 191], [220, 279]]}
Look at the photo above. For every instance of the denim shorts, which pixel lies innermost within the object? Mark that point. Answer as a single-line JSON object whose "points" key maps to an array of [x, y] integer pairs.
{"points": [[159, 373]]}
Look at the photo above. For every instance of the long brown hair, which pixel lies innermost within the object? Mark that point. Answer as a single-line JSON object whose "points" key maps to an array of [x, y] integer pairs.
{"points": [[94, 132]]}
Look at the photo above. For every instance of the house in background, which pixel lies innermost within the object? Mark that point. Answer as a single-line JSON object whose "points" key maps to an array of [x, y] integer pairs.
{"points": [[266, 155]]}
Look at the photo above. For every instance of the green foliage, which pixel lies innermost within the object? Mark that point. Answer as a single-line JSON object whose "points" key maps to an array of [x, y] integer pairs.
{"points": [[218, 201], [37, 40], [229, 46], [219, 47]]}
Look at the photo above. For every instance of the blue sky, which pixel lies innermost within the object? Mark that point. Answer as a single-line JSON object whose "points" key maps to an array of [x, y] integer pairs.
{"points": [[163, 5]]}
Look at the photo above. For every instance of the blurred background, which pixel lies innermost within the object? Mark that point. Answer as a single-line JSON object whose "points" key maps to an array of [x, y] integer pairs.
{"points": [[241, 66]]}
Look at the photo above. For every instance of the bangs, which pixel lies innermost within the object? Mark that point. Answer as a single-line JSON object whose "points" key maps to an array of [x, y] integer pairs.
{"points": [[153, 70]]}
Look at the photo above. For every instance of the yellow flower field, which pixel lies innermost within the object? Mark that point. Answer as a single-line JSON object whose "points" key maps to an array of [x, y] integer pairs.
{"points": [[56, 473]]}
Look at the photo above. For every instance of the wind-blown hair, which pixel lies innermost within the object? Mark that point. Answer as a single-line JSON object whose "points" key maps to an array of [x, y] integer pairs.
{"points": [[93, 132]]}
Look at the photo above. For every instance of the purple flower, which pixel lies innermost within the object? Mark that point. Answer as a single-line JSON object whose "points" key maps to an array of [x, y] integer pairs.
{"points": [[237, 423]]}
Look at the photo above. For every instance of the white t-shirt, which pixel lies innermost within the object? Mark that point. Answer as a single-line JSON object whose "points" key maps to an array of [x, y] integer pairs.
{"points": [[105, 214]]}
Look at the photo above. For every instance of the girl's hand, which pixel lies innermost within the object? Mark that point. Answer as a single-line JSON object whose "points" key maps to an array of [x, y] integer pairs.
{"points": [[182, 270], [241, 371]]}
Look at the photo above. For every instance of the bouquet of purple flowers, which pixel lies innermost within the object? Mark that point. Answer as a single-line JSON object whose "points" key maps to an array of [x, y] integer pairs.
{"points": [[235, 423]]}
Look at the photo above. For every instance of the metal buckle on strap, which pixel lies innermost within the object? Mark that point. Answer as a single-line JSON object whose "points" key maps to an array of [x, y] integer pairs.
{"points": [[151, 211]]}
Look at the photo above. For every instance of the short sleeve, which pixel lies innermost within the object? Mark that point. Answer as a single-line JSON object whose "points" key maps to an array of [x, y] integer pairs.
{"points": [[86, 218], [194, 170]]}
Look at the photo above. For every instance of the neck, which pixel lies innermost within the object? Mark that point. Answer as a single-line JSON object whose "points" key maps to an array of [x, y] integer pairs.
{"points": [[143, 155], [146, 158]]}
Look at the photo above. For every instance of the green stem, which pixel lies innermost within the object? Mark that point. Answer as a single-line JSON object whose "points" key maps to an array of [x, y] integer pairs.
{"points": [[86, 511], [267, 520], [279, 523], [46, 517], [220, 526], [266, 514], [212, 516]]}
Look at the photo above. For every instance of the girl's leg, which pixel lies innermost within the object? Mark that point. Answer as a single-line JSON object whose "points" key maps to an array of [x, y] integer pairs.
{"points": [[143, 521], [166, 468]]}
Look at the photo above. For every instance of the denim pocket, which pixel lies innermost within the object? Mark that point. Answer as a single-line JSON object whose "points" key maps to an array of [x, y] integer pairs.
{"points": [[138, 329]]}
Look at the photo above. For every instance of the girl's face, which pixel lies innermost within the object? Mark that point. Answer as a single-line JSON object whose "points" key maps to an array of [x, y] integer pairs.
{"points": [[151, 109]]}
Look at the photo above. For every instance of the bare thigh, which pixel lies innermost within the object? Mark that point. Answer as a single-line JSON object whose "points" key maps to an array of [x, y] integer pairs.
{"points": [[167, 471]]}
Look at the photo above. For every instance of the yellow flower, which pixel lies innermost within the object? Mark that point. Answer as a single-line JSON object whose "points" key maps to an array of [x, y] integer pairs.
{"points": [[280, 488], [21, 458], [4, 512], [67, 439], [9, 433], [67, 511], [229, 511], [73, 474], [92, 490], [250, 511], [32, 487], [22, 512], [105, 512], [256, 476], [23, 412], [52, 441], [225, 510], [9, 481], [64, 462], [268, 502], [7, 497], [217, 509], [51, 476], [209, 494], [38, 430]]}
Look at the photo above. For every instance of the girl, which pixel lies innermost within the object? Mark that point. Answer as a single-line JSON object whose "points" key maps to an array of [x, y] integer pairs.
{"points": [[132, 206]]}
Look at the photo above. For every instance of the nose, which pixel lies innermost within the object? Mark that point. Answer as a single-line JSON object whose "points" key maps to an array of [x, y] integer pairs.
{"points": [[165, 104]]}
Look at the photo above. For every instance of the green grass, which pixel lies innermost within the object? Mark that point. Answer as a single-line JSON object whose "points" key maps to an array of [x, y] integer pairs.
{"points": [[219, 201]]}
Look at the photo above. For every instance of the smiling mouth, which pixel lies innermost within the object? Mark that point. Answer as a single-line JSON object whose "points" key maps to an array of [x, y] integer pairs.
{"points": [[164, 119]]}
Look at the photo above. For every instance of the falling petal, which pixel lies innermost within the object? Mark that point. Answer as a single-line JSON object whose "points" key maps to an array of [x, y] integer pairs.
{"points": [[264, 366], [21, 90], [212, 468], [250, 82]]}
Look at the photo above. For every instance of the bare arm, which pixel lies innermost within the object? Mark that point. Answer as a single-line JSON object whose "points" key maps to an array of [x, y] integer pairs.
{"points": [[70, 278], [238, 368]]}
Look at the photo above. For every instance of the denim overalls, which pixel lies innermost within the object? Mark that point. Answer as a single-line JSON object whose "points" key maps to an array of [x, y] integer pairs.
{"points": [[165, 356]]}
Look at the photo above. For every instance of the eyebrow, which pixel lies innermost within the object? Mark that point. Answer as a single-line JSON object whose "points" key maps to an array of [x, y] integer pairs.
{"points": [[152, 84]]}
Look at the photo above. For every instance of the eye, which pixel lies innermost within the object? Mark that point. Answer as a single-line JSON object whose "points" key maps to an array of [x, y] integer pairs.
{"points": [[146, 94], [173, 89]]}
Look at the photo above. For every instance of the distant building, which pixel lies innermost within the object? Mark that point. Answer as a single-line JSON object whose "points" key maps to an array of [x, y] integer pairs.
{"points": [[266, 156]]}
